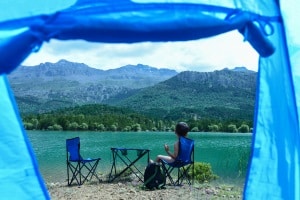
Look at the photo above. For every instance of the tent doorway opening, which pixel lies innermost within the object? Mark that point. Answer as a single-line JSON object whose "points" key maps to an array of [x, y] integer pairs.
{"points": [[213, 78]]}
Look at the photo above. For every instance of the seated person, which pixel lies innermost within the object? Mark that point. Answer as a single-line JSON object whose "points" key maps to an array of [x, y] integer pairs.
{"points": [[181, 130]]}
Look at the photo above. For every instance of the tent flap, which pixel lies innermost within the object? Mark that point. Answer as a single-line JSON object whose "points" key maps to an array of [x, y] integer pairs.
{"points": [[131, 22], [257, 39], [275, 160], [16, 48]]}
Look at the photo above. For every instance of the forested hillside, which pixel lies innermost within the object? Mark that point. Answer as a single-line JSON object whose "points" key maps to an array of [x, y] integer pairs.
{"points": [[225, 94], [71, 96], [51, 86]]}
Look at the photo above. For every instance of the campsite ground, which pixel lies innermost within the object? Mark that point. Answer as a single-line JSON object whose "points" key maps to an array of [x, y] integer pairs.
{"points": [[132, 190]]}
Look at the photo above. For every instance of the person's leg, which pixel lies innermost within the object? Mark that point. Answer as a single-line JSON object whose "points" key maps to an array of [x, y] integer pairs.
{"points": [[168, 159]]}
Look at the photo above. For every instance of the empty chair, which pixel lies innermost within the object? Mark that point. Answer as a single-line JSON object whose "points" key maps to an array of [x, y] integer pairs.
{"points": [[183, 162], [78, 168]]}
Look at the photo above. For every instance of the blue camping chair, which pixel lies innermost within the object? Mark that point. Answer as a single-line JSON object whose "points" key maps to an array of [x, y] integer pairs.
{"points": [[79, 169], [183, 162]]}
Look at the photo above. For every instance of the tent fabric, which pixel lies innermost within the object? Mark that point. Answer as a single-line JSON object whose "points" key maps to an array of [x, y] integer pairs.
{"points": [[268, 25], [275, 160], [19, 175], [156, 22]]}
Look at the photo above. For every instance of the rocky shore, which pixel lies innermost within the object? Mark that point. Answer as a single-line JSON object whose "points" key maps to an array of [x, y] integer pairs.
{"points": [[132, 190]]}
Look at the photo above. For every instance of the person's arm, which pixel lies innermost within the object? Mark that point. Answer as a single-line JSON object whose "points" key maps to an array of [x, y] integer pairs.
{"points": [[173, 155]]}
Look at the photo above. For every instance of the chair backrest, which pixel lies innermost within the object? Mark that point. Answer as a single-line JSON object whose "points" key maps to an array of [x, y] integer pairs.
{"points": [[73, 149], [186, 150]]}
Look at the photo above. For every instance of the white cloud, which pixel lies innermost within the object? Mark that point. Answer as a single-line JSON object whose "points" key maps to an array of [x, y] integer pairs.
{"points": [[226, 50]]}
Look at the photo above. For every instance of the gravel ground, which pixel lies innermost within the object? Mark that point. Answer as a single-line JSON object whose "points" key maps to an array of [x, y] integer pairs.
{"points": [[124, 190]]}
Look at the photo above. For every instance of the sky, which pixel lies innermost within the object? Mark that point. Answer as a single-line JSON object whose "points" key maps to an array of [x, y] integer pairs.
{"points": [[205, 55]]}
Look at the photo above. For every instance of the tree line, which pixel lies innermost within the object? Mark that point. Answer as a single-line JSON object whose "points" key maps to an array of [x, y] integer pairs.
{"points": [[126, 122]]}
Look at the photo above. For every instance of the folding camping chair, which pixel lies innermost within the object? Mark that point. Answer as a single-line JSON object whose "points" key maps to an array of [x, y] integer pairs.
{"points": [[79, 169], [183, 162]]}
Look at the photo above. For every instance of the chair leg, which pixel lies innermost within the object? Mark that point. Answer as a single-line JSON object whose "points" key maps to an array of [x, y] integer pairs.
{"points": [[68, 174], [182, 173], [178, 177], [91, 171], [74, 173], [167, 172], [185, 175]]}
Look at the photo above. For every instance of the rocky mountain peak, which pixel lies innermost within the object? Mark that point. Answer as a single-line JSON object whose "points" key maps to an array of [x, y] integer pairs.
{"points": [[237, 78]]}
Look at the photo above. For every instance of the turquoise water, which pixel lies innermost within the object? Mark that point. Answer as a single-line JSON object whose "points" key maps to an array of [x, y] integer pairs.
{"points": [[227, 153]]}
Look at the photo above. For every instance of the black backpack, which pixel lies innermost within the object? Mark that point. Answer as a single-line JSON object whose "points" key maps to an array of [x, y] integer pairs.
{"points": [[153, 177]]}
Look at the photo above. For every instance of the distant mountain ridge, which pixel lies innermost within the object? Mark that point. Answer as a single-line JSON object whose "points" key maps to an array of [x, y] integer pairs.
{"points": [[225, 78], [51, 86], [131, 76], [160, 93], [222, 94]]}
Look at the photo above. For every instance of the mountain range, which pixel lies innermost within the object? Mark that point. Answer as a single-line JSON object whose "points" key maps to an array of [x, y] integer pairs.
{"points": [[161, 93], [51, 86], [224, 94]]}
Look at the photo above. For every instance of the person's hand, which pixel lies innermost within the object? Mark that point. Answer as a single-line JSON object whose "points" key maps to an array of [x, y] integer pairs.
{"points": [[166, 147]]}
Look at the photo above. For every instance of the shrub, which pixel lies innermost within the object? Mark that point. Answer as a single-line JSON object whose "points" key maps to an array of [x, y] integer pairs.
{"points": [[83, 126], [244, 128], [136, 127], [213, 128], [101, 127], [195, 129], [57, 127], [232, 128], [113, 127], [73, 126], [203, 172], [127, 128], [28, 126]]}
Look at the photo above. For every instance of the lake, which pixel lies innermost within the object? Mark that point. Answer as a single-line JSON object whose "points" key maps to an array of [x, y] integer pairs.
{"points": [[228, 153]]}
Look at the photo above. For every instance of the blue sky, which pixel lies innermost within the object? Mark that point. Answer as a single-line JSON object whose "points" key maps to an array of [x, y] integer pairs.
{"points": [[226, 50]]}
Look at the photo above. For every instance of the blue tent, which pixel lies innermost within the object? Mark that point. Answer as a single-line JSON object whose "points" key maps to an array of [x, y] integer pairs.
{"points": [[268, 25]]}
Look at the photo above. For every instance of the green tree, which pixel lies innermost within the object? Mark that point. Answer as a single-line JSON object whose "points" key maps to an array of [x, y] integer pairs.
{"points": [[136, 127], [195, 129], [213, 128], [28, 126], [220, 126], [57, 127], [73, 126], [127, 128], [63, 121], [173, 126], [83, 126], [45, 122], [113, 127], [232, 128], [35, 123], [244, 128], [93, 126], [101, 127], [160, 125]]}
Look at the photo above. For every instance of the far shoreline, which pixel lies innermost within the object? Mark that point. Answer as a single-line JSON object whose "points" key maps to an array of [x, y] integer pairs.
{"points": [[147, 131]]}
